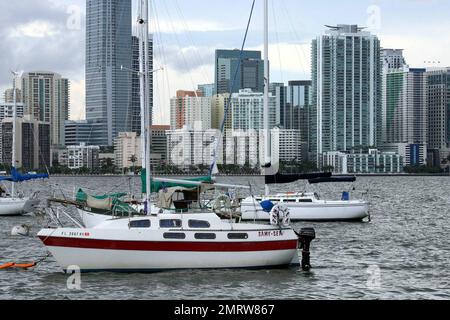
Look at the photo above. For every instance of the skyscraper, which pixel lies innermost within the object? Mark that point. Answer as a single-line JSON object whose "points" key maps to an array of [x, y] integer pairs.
{"points": [[32, 143], [108, 87], [46, 96], [249, 76], [404, 116], [346, 87], [438, 84]]}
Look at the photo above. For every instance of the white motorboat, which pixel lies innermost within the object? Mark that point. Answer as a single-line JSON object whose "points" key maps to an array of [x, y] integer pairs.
{"points": [[306, 207], [172, 241]]}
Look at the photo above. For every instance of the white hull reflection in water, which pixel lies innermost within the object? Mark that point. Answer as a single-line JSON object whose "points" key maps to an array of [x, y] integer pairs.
{"points": [[307, 207]]}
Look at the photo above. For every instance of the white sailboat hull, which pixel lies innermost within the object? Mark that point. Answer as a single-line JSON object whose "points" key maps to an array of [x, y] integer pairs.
{"points": [[17, 206], [111, 247], [318, 211], [152, 261]]}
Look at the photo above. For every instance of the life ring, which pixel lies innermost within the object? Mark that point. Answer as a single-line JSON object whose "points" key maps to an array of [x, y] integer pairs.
{"points": [[280, 216], [222, 204]]}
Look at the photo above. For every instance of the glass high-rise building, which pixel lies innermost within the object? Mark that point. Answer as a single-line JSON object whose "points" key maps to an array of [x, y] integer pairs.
{"points": [[346, 90], [438, 92], [108, 88], [249, 76], [46, 96]]}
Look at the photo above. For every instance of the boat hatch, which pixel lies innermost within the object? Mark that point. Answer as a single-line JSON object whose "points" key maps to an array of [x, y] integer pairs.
{"points": [[205, 236], [174, 235], [140, 224], [238, 236], [170, 223], [199, 224]]}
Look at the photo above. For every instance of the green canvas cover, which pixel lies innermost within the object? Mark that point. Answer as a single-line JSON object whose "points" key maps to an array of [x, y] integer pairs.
{"points": [[156, 186], [118, 207], [81, 196]]}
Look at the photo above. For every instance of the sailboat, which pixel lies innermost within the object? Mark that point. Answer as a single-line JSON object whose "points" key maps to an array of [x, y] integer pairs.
{"points": [[179, 240], [12, 204]]}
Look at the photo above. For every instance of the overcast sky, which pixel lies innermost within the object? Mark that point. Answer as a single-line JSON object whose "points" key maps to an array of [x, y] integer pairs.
{"points": [[49, 35]]}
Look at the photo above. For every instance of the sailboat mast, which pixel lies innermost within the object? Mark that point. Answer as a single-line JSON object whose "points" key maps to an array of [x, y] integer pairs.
{"points": [[141, 83], [13, 148], [145, 94], [267, 144]]}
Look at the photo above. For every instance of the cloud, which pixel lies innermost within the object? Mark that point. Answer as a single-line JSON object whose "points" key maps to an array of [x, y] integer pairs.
{"points": [[35, 36]]}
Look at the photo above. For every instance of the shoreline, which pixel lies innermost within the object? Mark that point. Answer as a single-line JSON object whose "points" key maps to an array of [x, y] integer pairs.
{"points": [[256, 175]]}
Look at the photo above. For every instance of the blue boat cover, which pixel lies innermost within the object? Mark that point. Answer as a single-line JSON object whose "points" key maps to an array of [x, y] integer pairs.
{"points": [[267, 205], [16, 176]]}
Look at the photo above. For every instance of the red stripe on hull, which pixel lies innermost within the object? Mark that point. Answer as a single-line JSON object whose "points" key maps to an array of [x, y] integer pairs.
{"points": [[168, 246]]}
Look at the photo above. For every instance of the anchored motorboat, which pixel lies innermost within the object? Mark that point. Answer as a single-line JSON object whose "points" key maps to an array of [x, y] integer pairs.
{"points": [[307, 206]]}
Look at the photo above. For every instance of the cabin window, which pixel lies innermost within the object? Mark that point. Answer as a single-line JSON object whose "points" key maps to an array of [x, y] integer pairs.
{"points": [[305, 200], [289, 200], [199, 224], [237, 236], [274, 200], [140, 224], [174, 235], [170, 223], [205, 236]]}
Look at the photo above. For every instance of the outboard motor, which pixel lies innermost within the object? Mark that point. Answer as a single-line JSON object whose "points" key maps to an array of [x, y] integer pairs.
{"points": [[306, 236]]}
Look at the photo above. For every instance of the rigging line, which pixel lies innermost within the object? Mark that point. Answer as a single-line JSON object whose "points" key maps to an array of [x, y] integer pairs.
{"points": [[189, 35], [162, 52], [180, 48], [232, 87], [157, 48], [300, 54], [278, 40]]}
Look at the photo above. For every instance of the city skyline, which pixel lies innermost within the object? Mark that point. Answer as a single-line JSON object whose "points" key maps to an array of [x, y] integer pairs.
{"points": [[43, 26]]}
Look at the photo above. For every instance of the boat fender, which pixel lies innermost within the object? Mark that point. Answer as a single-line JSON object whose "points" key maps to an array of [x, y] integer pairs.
{"points": [[22, 230], [10, 265], [6, 265], [305, 237], [280, 216]]}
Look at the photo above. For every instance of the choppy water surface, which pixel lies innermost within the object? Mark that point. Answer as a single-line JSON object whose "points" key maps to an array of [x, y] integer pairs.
{"points": [[407, 243]]}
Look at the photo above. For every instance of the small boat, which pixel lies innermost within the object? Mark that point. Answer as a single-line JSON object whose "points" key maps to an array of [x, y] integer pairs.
{"points": [[14, 206], [306, 206], [171, 242]]}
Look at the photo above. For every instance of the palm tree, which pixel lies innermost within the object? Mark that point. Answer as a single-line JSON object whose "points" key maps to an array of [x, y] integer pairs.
{"points": [[133, 160]]}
